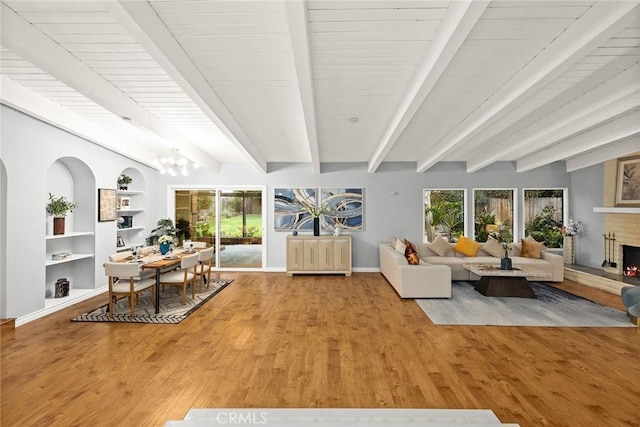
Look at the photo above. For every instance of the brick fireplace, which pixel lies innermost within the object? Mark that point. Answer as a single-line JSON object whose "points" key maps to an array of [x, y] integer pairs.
{"points": [[626, 226], [631, 260]]}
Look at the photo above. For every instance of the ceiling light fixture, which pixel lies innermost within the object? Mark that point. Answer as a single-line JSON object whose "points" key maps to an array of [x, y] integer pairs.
{"points": [[172, 164]]}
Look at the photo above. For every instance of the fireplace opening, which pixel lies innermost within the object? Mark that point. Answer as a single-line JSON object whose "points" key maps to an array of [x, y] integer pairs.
{"points": [[631, 261]]}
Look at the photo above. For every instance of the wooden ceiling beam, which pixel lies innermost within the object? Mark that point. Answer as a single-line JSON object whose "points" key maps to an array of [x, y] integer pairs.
{"points": [[141, 20], [16, 96], [28, 42], [613, 131], [590, 31], [298, 33], [460, 18], [617, 149], [612, 98]]}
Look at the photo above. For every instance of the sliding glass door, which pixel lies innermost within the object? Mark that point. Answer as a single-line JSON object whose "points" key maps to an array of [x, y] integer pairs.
{"points": [[241, 229], [229, 219]]}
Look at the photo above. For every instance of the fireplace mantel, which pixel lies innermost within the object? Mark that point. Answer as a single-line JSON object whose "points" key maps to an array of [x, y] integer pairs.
{"points": [[620, 210]]}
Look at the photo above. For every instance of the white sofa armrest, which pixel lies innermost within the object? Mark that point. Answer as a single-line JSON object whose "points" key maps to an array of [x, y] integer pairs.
{"points": [[558, 265], [414, 281]]}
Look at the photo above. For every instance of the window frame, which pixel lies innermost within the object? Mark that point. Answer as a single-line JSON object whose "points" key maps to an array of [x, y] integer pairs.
{"points": [[514, 210], [465, 210]]}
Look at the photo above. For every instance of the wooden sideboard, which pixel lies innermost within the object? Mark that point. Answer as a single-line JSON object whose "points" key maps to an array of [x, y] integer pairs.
{"points": [[318, 254]]}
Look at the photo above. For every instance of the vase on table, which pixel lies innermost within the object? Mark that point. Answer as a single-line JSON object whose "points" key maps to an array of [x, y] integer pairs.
{"points": [[505, 263], [164, 248], [316, 226], [568, 249]]}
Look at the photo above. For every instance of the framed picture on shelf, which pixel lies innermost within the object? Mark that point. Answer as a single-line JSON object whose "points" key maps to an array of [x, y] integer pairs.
{"points": [[628, 181], [107, 202], [124, 203], [121, 242]]}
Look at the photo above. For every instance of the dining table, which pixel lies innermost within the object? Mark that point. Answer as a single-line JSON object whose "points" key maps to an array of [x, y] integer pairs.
{"points": [[159, 262]]}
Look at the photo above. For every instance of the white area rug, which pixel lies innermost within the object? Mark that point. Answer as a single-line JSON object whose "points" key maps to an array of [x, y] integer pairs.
{"points": [[337, 417], [552, 307]]}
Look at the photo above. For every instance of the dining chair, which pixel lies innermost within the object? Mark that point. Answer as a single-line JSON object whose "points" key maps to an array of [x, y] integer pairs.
{"points": [[183, 277], [120, 256], [205, 258], [199, 245], [124, 280]]}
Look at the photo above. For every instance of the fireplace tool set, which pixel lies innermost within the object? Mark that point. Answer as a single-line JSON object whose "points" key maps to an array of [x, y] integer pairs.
{"points": [[609, 247]]}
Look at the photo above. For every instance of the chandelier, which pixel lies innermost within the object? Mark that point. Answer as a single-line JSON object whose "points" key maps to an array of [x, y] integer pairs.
{"points": [[175, 163]]}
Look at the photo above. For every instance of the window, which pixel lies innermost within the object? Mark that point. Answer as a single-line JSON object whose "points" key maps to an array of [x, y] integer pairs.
{"points": [[544, 214], [443, 214], [493, 214]]}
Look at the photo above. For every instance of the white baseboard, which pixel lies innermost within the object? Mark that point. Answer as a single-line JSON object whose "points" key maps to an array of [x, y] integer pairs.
{"points": [[67, 303]]}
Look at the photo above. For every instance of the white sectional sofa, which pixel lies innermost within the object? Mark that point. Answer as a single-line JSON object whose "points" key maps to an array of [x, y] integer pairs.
{"points": [[432, 278], [414, 281], [550, 263]]}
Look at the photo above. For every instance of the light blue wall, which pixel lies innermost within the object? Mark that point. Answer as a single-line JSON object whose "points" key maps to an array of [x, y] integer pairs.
{"points": [[29, 148], [392, 197], [586, 193]]}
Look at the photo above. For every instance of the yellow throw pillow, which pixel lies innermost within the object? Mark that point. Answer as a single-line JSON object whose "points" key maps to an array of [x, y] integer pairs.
{"points": [[530, 249], [467, 246]]}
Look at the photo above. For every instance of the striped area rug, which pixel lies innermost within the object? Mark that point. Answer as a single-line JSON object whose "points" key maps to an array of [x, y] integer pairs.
{"points": [[171, 309]]}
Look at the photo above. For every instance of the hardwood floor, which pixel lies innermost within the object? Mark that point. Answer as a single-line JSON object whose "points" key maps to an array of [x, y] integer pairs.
{"points": [[268, 340]]}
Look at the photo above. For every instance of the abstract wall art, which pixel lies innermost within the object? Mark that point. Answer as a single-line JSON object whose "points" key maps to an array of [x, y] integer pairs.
{"points": [[292, 208], [343, 207]]}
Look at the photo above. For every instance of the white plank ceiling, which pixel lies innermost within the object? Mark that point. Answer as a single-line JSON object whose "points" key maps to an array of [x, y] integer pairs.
{"points": [[317, 81]]}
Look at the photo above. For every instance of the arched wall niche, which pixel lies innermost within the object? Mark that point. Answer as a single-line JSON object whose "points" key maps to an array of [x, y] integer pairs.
{"points": [[138, 182], [131, 211], [72, 178]]}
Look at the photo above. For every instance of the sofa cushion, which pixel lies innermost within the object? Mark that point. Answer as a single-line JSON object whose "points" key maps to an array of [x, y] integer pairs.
{"points": [[400, 246], [531, 239], [411, 254], [440, 246], [493, 248], [530, 249], [467, 246]]}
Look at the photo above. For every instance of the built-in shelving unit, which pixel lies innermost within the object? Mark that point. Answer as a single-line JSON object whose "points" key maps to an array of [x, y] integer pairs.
{"points": [[71, 178], [70, 234], [70, 258], [131, 232]]}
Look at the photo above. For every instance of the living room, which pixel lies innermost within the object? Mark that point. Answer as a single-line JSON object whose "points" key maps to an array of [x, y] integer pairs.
{"points": [[74, 120]]}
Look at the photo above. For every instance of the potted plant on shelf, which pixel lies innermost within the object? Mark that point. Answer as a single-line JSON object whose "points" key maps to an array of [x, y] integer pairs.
{"points": [[124, 181], [58, 208]]}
